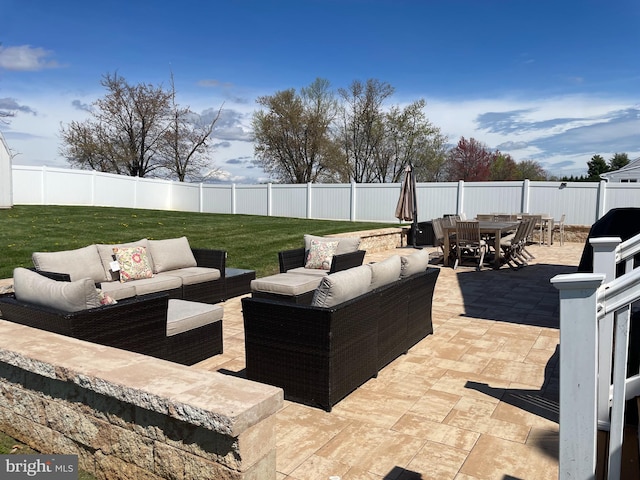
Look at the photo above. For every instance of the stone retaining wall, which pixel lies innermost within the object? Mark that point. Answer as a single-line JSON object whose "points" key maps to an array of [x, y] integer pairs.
{"points": [[129, 416]]}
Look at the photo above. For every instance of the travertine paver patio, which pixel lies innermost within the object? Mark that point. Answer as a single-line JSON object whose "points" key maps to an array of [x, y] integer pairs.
{"points": [[475, 400]]}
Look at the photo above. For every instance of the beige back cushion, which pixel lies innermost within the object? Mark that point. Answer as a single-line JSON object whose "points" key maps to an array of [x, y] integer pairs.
{"points": [[80, 263], [107, 256], [345, 244], [31, 287], [171, 254], [385, 272], [341, 286], [415, 263]]}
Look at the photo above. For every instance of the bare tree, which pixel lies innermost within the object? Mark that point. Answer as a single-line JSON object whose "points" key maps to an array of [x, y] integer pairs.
{"points": [[183, 147], [293, 141], [362, 129], [125, 130]]}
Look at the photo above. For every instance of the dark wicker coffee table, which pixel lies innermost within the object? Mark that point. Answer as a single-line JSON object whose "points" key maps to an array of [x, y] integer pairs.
{"points": [[238, 281]]}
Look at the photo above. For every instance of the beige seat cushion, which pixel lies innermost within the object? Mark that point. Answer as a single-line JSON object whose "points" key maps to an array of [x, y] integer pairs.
{"points": [[286, 284], [193, 275], [316, 272], [80, 263], [183, 315], [341, 286], [157, 283], [118, 290], [31, 287], [385, 272], [171, 254]]}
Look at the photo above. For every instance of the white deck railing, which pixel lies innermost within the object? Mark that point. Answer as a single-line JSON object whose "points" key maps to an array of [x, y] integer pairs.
{"points": [[595, 312]]}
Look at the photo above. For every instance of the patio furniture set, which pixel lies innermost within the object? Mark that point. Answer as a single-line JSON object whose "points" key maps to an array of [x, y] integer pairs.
{"points": [[155, 297], [319, 329], [502, 236]]}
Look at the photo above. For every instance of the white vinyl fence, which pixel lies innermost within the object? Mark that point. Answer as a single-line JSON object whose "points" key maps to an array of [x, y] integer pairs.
{"points": [[595, 314], [583, 203]]}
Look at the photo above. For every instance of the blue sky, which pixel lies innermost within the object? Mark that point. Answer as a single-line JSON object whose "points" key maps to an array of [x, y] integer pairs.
{"points": [[550, 81]]}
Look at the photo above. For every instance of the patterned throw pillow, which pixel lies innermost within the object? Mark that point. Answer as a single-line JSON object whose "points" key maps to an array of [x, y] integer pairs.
{"points": [[321, 254], [105, 299], [133, 262]]}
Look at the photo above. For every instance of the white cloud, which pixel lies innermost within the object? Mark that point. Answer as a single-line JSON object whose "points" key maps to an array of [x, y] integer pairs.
{"points": [[26, 58]]}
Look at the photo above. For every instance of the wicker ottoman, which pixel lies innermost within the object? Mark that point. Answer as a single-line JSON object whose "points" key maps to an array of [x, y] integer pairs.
{"points": [[194, 331], [292, 287]]}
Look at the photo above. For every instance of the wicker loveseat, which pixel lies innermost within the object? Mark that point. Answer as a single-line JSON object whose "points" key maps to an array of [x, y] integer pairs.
{"points": [[172, 267], [320, 354]]}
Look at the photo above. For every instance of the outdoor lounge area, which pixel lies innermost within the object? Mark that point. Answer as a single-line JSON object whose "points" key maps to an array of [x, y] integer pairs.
{"points": [[477, 399]]}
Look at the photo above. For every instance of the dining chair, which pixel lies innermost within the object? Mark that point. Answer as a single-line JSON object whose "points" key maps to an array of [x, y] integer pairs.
{"points": [[469, 244], [538, 222], [558, 226], [483, 217], [514, 246], [438, 233], [506, 217]]}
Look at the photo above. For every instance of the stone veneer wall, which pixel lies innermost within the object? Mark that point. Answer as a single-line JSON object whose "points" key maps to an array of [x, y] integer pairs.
{"points": [[129, 416]]}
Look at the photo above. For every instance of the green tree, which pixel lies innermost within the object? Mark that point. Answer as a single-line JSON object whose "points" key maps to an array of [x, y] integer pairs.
{"points": [[618, 161], [531, 170], [363, 128], [595, 167], [503, 167], [409, 137], [293, 136]]}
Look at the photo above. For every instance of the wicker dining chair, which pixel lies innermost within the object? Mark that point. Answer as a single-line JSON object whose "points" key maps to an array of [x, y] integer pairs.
{"points": [[469, 244]]}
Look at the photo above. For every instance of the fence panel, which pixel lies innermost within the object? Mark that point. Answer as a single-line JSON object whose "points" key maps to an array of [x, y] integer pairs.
{"points": [[289, 200], [331, 201], [484, 197], [217, 199], [251, 199]]}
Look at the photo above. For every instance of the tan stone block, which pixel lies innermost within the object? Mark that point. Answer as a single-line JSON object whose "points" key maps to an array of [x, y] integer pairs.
{"points": [[257, 442], [109, 467]]}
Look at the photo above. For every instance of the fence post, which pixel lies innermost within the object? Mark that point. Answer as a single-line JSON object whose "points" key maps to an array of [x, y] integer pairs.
{"points": [[233, 198], [526, 195], [460, 206], [352, 211], [269, 200], [578, 373], [601, 206], [309, 198], [604, 261]]}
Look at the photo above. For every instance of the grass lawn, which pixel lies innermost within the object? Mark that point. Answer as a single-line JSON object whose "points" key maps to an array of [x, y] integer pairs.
{"points": [[250, 241]]}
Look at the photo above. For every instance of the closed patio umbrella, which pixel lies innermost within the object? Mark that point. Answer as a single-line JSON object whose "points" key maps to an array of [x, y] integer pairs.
{"points": [[407, 208]]}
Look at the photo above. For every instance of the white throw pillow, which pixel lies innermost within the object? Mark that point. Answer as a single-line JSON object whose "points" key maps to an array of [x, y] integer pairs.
{"points": [[31, 287], [342, 286], [415, 263], [171, 254], [385, 272]]}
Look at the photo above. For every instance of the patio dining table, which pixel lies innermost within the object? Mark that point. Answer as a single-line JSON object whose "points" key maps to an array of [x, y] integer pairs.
{"points": [[495, 229]]}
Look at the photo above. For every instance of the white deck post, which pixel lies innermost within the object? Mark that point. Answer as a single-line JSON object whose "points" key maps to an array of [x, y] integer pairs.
{"points": [[604, 261], [578, 373]]}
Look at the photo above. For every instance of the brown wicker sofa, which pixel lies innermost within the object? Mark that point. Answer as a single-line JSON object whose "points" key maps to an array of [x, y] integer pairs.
{"points": [[174, 268], [320, 354], [138, 324]]}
